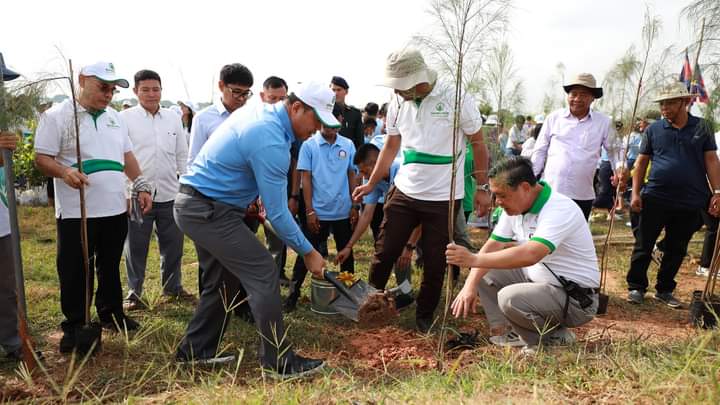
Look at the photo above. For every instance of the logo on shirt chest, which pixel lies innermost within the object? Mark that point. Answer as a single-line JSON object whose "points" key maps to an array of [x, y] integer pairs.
{"points": [[530, 226], [342, 154], [440, 111], [112, 123]]}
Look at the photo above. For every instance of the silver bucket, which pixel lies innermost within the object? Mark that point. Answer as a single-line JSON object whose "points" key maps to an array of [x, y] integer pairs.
{"points": [[322, 293]]}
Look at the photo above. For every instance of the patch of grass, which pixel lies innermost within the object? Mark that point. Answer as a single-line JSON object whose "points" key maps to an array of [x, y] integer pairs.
{"points": [[626, 363]]}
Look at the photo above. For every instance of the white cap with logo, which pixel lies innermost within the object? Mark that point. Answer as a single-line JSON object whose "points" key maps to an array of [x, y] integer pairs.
{"points": [[104, 71], [321, 99]]}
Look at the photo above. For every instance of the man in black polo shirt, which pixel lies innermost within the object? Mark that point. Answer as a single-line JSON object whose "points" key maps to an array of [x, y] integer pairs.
{"points": [[681, 148], [352, 126]]}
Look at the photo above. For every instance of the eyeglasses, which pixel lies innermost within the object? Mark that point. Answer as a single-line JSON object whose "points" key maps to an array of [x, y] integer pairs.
{"points": [[238, 93], [105, 87]]}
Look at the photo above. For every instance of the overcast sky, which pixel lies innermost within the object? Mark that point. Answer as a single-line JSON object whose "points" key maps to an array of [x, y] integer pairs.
{"points": [[188, 42]]}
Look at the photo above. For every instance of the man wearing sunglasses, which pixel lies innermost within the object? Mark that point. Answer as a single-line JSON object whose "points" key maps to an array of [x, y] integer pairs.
{"points": [[108, 161]]}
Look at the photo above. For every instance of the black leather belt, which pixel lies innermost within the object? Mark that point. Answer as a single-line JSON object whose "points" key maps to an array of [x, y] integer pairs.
{"points": [[190, 190]]}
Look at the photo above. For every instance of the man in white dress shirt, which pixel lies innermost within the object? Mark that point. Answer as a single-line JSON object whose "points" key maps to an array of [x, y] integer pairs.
{"points": [[159, 143], [568, 148]]}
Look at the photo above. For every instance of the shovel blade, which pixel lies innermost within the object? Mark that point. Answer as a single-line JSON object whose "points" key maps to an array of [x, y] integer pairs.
{"points": [[349, 302]]}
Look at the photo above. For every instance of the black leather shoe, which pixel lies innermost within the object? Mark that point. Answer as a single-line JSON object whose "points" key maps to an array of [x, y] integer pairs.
{"points": [[403, 301], [290, 303], [118, 323], [297, 367], [423, 325], [67, 342]]}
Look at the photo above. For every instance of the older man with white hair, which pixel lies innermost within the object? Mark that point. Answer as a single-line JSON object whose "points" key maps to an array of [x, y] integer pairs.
{"points": [[108, 160], [568, 148]]}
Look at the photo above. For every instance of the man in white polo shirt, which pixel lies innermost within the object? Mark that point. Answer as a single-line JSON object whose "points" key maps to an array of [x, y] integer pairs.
{"points": [[422, 115], [107, 160], [538, 273], [159, 144]]}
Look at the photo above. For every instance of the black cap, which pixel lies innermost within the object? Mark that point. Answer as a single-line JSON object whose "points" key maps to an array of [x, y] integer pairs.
{"points": [[339, 81], [7, 73]]}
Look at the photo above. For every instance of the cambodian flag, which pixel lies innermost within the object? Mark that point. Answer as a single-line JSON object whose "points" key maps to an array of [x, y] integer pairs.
{"points": [[686, 72], [698, 86]]}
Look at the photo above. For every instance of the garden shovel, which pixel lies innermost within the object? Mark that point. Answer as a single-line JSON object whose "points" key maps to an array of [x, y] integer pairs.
{"points": [[87, 336], [362, 302]]}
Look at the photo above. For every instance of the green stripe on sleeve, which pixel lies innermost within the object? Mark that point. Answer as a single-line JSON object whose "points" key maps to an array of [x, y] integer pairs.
{"points": [[544, 242], [500, 238], [100, 165]]}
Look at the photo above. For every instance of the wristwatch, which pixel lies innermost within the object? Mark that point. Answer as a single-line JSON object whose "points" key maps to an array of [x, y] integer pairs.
{"points": [[410, 247], [484, 187], [295, 197], [356, 206]]}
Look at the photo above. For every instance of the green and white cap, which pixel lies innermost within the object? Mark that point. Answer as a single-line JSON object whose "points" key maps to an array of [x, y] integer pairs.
{"points": [[321, 99], [104, 71]]}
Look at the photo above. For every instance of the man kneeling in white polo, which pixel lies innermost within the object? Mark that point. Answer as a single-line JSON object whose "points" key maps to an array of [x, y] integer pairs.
{"points": [[537, 275]]}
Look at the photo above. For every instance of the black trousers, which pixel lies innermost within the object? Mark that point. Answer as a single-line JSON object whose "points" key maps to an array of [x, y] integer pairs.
{"points": [[711, 223], [585, 206], [679, 224], [106, 237], [341, 231], [604, 190]]}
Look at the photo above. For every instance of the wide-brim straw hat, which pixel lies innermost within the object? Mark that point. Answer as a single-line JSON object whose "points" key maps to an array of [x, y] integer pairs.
{"points": [[406, 69], [673, 91], [586, 80]]}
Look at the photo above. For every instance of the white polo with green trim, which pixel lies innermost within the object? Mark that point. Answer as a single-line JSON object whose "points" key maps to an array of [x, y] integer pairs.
{"points": [[558, 223], [104, 141], [426, 131]]}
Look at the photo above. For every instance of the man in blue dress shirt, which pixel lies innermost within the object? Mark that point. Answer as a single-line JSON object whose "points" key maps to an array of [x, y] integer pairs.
{"points": [[240, 163]]}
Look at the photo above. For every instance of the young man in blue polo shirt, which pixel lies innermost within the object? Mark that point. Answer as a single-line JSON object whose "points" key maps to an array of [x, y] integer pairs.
{"points": [[681, 149], [328, 178]]}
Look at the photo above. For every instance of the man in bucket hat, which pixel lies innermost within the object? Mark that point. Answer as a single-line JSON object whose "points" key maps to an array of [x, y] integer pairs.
{"points": [[568, 148], [421, 114], [681, 148], [239, 163]]}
